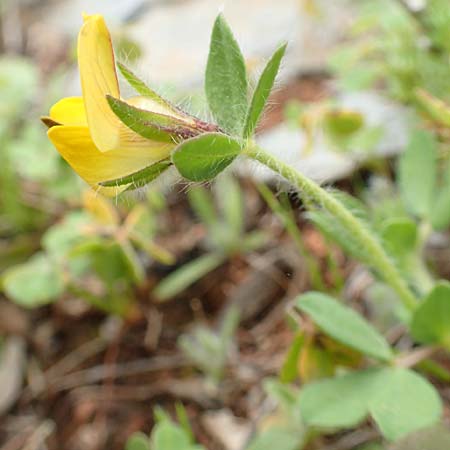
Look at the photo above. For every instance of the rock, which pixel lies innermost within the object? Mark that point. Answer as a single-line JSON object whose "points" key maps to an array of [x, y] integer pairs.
{"points": [[325, 164], [224, 427], [174, 35]]}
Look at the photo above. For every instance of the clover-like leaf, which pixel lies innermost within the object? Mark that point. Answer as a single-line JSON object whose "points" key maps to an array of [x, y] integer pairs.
{"points": [[202, 158], [262, 91], [226, 79], [404, 402]]}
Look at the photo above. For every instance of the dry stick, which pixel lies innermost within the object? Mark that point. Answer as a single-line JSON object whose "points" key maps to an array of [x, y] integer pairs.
{"points": [[416, 356]]}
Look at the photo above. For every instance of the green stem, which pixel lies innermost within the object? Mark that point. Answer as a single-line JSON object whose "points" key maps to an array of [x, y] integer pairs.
{"points": [[378, 258]]}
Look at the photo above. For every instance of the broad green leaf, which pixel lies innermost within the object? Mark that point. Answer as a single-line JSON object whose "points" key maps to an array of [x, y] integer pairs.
{"points": [[34, 283], [399, 400], [138, 441], [202, 158], [151, 125], [400, 236], [226, 79], [141, 177], [431, 320], [186, 275], [341, 401], [344, 325], [262, 91], [417, 173], [405, 402]]}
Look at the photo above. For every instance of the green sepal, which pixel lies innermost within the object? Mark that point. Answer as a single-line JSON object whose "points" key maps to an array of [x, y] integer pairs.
{"points": [[202, 158], [150, 125], [141, 177]]}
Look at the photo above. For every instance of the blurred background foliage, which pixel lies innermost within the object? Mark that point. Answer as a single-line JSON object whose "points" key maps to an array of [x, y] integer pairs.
{"points": [[154, 271]]}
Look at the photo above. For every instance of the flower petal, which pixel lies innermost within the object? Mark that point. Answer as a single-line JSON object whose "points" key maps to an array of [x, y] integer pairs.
{"points": [[98, 78], [69, 111], [75, 145]]}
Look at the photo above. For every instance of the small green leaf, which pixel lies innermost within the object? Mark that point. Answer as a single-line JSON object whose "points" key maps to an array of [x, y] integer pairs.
{"points": [[405, 402], [262, 91], [186, 275], [141, 177], [338, 402], [431, 320], [168, 436], [202, 158], [417, 173], [150, 125], [138, 441], [344, 325], [226, 79], [289, 371], [34, 283], [400, 236]]}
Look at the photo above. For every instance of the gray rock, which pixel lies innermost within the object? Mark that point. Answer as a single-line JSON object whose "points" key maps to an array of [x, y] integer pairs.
{"points": [[174, 34], [323, 163]]}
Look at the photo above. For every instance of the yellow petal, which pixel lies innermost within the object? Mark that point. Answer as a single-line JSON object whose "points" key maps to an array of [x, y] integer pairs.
{"points": [[98, 78], [77, 148], [69, 111]]}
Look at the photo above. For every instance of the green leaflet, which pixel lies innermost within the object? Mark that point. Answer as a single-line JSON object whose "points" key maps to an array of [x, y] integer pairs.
{"points": [[202, 158], [263, 90], [226, 79]]}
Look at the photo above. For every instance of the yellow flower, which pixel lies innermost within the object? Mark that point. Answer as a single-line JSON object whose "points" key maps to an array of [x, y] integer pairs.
{"points": [[87, 133]]}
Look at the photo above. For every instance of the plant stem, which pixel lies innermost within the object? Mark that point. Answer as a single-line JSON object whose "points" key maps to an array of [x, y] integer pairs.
{"points": [[377, 257]]}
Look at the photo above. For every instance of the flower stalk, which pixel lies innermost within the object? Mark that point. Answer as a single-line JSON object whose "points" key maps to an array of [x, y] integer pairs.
{"points": [[378, 258]]}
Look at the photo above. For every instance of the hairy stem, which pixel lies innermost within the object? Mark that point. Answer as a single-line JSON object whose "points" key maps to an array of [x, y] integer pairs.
{"points": [[377, 257]]}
